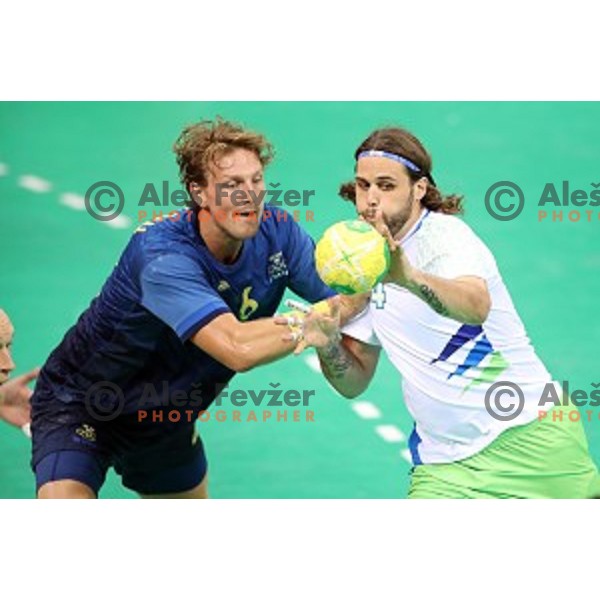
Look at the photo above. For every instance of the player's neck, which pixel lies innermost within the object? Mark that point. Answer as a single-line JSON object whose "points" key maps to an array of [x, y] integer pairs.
{"points": [[224, 248]]}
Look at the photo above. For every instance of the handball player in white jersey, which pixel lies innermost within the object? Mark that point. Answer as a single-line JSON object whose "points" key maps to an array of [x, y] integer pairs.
{"points": [[447, 323]]}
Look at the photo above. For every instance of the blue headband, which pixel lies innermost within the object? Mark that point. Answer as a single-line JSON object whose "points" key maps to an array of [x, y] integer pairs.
{"points": [[407, 163], [396, 157]]}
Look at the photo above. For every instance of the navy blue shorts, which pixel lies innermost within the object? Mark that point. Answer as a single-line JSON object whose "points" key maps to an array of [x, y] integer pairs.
{"points": [[152, 458]]}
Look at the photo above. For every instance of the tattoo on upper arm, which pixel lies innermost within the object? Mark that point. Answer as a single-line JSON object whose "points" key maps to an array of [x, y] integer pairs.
{"points": [[336, 361], [430, 297]]}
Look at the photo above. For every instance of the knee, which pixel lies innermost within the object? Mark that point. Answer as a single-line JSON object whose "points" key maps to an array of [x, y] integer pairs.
{"points": [[65, 489]]}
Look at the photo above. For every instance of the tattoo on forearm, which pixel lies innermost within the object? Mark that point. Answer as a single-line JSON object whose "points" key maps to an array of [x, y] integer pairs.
{"points": [[430, 297], [336, 362]]}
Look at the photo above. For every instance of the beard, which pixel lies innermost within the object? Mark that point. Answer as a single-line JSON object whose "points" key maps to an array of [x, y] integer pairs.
{"points": [[397, 222]]}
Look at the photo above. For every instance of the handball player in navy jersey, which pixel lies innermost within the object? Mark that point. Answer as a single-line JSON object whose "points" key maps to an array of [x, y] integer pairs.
{"points": [[189, 304]]}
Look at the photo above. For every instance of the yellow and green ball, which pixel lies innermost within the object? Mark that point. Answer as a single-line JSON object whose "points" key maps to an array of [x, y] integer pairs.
{"points": [[352, 257]]}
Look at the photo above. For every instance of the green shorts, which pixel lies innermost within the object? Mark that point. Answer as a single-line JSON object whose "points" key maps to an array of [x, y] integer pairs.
{"points": [[548, 458]]}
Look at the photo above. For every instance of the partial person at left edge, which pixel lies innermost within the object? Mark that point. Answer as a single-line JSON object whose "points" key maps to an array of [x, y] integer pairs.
{"points": [[14, 393]]}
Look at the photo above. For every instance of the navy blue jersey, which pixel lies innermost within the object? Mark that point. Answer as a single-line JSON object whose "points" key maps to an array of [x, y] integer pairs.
{"points": [[165, 287]]}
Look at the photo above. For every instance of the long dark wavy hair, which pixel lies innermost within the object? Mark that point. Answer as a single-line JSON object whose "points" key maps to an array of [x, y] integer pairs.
{"points": [[401, 142]]}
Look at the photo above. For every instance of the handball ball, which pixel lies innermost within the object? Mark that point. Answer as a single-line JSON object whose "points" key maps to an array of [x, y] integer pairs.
{"points": [[352, 257]]}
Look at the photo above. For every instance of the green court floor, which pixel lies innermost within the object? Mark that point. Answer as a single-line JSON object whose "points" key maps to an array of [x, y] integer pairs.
{"points": [[56, 258]]}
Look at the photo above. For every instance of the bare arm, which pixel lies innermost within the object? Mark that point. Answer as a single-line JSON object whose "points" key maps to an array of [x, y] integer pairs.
{"points": [[349, 365], [14, 399], [242, 346], [350, 306], [465, 299]]}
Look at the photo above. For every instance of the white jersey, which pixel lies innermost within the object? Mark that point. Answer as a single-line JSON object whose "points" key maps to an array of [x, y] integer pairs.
{"points": [[447, 366]]}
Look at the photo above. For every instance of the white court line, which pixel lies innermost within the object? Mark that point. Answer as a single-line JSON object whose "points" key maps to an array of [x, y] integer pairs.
{"points": [[369, 411], [390, 433], [366, 410], [74, 201], [77, 202], [119, 222], [39, 185], [3, 169], [406, 455], [312, 360], [34, 184]]}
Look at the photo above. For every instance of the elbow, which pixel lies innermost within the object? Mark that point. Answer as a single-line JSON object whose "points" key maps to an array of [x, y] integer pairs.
{"points": [[239, 366], [240, 356], [349, 392], [481, 311], [240, 361], [485, 308]]}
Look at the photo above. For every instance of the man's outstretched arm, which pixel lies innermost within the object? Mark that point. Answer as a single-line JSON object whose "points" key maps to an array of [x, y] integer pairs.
{"points": [[241, 346]]}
